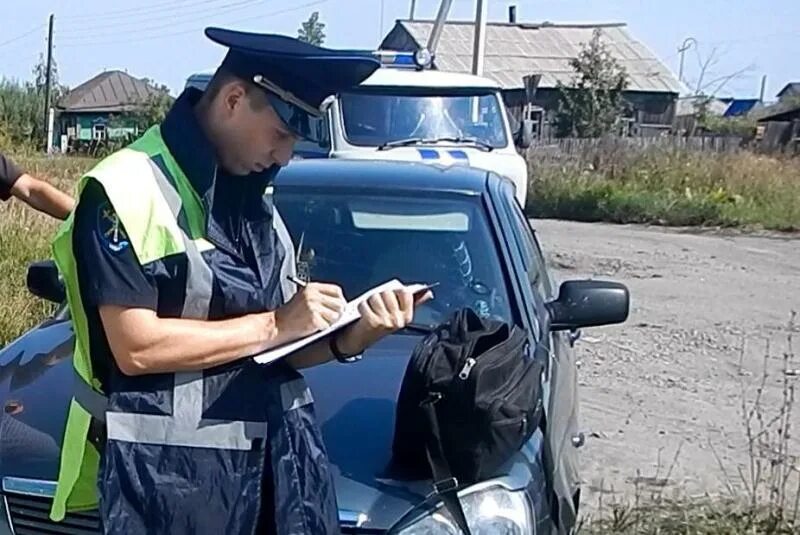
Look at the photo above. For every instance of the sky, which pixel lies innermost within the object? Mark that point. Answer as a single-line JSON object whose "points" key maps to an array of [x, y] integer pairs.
{"points": [[163, 40]]}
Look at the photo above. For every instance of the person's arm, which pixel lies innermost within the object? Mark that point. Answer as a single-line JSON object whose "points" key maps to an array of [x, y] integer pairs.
{"points": [[144, 343], [381, 315], [42, 196], [127, 297]]}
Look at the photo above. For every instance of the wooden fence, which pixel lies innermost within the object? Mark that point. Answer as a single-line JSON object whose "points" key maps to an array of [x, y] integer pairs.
{"points": [[581, 146]]}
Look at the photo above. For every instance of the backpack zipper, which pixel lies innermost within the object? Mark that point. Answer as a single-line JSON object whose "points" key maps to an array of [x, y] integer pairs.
{"points": [[468, 365]]}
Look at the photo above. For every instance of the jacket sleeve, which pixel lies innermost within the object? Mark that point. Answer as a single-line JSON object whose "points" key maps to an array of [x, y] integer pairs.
{"points": [[9, 174], [108, 271]]}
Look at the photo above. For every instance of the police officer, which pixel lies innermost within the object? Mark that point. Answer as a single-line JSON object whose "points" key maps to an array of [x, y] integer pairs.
{"points": [[177, 269], [35, 192]]}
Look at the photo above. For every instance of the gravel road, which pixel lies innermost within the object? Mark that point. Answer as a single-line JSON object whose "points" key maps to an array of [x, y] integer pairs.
{"points": [[661, 395]]}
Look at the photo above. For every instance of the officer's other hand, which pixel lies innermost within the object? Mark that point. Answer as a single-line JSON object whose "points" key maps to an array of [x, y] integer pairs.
{"points": [[381, 315], [312, 309]]}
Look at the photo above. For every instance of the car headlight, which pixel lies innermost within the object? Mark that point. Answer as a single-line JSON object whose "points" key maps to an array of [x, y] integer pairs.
{"points": [[489, 511]]}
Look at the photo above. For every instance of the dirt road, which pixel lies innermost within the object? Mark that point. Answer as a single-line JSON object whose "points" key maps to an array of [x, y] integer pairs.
{"points": [[672, 379]]}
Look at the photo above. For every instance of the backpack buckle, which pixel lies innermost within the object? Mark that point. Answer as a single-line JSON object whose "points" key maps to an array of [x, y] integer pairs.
{"points": [[446, 485]]}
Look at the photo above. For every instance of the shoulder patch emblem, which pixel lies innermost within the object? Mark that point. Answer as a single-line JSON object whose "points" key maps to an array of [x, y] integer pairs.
{"points": [[110, 230]]}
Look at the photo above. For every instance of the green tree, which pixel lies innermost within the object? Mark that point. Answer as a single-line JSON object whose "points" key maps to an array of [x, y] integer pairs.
{"points": [[22, 105], [154, 108], [312, 31], [592, 104]]}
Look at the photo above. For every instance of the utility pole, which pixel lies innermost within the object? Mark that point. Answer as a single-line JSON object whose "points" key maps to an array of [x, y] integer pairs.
{"points": [[413, 9], [763, 89], [479, 46], [687, 43], [438, 26], [46, 128]]}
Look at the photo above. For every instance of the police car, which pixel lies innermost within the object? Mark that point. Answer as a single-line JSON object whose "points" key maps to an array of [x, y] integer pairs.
{"points": [[458, 226], [406, 111]]}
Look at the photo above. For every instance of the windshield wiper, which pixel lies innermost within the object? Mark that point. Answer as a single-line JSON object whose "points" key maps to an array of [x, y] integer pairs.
{"points": [[469, 140], [400, 143], [430, 141], [418, 328]]}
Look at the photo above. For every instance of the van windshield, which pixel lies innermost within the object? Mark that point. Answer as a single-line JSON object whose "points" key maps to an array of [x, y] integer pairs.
{"points": [[388, 115]]}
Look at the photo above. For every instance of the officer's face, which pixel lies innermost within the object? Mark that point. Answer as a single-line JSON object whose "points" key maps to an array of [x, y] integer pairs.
{"points": [[256, 138]]}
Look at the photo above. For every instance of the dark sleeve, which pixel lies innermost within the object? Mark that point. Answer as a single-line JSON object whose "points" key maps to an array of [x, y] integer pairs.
{"points": [[108, 270], [9, 173]]}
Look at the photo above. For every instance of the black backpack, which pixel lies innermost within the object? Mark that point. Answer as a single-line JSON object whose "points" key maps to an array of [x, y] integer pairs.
{"points": [[470, 398]]}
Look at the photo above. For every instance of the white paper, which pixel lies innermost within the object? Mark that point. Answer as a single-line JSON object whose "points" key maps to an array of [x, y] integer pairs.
{"points": [[349, 315]]}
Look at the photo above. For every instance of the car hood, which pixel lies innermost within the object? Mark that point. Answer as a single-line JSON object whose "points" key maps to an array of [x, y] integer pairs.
{"points": [[35, 387], [355, 407]]}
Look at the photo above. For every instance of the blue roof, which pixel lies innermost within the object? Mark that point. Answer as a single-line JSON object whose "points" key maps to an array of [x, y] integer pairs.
{"points": [[409, 177], [740, 106]]}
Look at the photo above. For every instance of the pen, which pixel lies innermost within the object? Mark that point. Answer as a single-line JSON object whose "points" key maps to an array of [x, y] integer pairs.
{"points": [[297, 281]]}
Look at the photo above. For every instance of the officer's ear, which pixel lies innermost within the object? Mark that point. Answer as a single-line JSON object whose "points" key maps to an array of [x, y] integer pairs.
{"points": [[232, 96]]}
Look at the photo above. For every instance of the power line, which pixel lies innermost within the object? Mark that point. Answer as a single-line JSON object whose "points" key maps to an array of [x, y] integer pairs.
{"points": [[140, 27], [140, 38], [22, 36], [121, 13]]}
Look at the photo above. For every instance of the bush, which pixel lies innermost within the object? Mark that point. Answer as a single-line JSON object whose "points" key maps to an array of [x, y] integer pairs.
{"points": [[667, 186]]}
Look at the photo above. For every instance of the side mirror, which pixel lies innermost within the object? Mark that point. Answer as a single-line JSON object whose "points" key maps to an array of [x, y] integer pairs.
{"points": [[43, 281], [588, 303], [525, 134]]}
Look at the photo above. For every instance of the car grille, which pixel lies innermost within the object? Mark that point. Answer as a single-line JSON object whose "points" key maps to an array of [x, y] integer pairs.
{"points": [[31, 516]]}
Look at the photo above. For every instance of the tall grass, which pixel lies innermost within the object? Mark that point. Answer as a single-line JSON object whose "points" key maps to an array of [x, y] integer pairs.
{"points": [[25, 236], [659, 184]]}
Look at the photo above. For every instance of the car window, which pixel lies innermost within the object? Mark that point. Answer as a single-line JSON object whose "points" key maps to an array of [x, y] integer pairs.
{"points": [[529, 249], [385, 116], [359, 241]]}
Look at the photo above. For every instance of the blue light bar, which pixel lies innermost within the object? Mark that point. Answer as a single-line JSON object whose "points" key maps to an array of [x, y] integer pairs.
{"points": [[391, 58]]}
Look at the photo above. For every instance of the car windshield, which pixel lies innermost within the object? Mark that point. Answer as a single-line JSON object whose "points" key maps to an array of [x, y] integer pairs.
{"points": [[360, 241], [381, 118]]}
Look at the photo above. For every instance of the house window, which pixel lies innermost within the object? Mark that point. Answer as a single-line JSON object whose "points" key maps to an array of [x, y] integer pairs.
{"points": [[99, 131]]}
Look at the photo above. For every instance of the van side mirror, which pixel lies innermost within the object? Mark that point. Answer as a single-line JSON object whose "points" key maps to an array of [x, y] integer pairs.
{"points": [[43, 281], [525, 134], [588, 303]]}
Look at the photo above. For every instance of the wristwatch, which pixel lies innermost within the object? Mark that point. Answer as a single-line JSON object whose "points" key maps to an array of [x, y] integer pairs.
{"points": [[341, 357]]}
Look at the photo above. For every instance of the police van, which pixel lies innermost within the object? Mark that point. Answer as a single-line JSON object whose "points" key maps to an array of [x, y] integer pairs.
{"points": [[407, 111]]}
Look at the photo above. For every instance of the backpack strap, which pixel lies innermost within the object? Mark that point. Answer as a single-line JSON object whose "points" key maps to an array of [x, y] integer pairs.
{"points": [[444, 484]]}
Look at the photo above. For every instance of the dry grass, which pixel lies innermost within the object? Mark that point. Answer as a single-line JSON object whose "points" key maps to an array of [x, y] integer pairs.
{"points": [[609, 181], [25, 237], [768, 497]]}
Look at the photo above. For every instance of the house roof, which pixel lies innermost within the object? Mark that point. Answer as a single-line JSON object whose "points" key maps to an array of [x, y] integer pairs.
{"points": [[514, 50], [780, 111], [688, 106], [741, 106], [792, 88], [110, 91]]}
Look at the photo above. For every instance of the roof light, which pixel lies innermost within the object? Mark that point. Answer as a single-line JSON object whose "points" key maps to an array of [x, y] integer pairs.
{"points": [[420, 59], [423, 57]]}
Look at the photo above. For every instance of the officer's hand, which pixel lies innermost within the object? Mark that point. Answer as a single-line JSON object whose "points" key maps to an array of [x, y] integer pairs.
{"points": [[381, 315], [312, 309]]}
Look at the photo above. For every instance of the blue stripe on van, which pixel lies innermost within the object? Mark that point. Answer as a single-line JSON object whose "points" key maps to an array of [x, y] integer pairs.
{"points": [[428, 154], [458, 155]]}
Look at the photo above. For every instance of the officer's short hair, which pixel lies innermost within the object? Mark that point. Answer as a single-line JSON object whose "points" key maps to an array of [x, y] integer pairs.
{"points": [[224, 75]]}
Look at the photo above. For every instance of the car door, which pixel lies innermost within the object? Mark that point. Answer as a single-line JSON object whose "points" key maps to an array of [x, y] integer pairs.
{"points": [[561, 373]]}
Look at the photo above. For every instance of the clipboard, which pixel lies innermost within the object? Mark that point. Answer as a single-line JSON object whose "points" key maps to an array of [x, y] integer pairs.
{"points": [[349, 316]]}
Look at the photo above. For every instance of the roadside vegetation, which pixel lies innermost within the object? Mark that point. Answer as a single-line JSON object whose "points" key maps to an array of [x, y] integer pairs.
{"points": [[611, 180], [25, 237], [762, 497]]}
